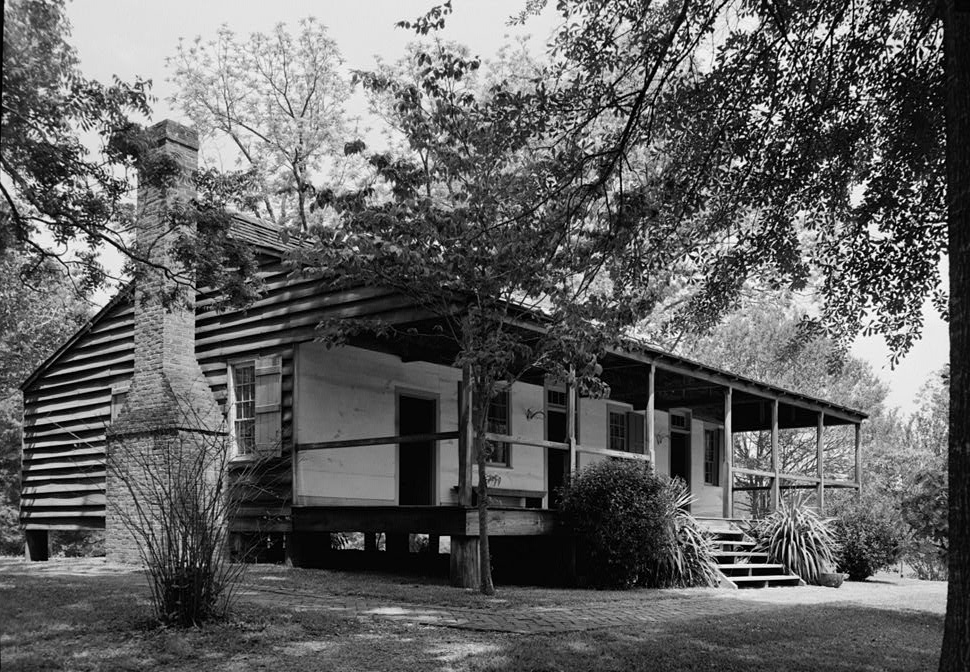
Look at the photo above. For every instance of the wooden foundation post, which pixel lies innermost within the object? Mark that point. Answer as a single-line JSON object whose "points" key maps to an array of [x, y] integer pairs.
{"points": [[465, 565], [434, 541], [370, 542], [775, 480], [728, 454], [36, 548], [820, 461], [651, 421], [397, 542], [465, 438]]}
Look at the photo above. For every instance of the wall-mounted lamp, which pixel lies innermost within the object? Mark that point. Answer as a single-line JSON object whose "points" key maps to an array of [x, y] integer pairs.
{"points": [[530, 414]]}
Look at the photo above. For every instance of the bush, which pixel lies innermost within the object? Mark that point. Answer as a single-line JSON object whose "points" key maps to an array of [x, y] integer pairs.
{"points": [[868, 541], [634, 532], [795, 536]]}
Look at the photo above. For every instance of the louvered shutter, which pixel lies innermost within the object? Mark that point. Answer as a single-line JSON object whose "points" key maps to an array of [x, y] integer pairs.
{"points": [[268, 406], [635, 433]]}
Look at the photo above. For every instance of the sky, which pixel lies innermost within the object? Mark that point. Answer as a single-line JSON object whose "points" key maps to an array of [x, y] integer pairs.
{"points": [[133, 38]]}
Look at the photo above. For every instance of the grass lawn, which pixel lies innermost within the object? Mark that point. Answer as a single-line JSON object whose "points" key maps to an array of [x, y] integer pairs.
{"points": [[63, 620]]}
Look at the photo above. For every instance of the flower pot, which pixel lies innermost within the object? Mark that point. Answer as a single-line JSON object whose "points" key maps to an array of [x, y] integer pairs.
{"points": [[831, 579]]}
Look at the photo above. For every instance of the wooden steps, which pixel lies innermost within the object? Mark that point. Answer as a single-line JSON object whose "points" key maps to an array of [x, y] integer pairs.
{"points": [[740, 565]]}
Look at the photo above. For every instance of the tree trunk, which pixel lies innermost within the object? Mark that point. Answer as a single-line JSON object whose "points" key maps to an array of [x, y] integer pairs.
{"points": [[956, 39], [484, 554]]}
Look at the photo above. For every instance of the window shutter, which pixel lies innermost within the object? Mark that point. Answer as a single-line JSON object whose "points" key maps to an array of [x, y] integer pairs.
{"points": [[269, 433], [635, 433]]}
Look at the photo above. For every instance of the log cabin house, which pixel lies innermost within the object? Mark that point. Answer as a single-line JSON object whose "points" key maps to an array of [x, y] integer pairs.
{"points": [[374, 436]]}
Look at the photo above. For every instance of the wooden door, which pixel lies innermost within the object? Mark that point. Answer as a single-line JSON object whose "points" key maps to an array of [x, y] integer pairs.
{"points": [[557, 460], [416, 415], [680, 456]]}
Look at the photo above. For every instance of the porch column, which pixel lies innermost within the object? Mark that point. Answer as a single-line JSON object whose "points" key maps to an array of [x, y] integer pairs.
{"points": [[775, 481], [651, 429], [465, 439], [728, 456], [820, 461], [571, 419], [858, 460]]}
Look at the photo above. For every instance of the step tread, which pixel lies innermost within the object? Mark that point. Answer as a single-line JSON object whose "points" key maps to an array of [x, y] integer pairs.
{"points": [[766, 577], [742, 554], [751, 565]]}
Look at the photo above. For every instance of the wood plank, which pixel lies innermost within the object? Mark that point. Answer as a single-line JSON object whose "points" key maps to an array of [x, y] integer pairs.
{"points": [[66, 524], [775, 483], [466, 440], [754, 472], [424, 519], [525, 441], [34, 502], [728, 494], [377, 441], [513, 522], [651, 419], [623, 455], [820, 462]]}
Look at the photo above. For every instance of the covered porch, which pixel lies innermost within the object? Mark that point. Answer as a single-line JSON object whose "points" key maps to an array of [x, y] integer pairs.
{"points": [[742, 446]]}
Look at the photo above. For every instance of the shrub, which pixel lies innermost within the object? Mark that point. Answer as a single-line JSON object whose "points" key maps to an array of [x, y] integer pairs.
{"points": [[181, 491], [634, 532], [796, 537], [925, 510], [690, 561], [868, 541]]}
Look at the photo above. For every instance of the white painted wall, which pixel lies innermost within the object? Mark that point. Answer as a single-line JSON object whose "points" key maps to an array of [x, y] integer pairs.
{"points": [[350, 393]]}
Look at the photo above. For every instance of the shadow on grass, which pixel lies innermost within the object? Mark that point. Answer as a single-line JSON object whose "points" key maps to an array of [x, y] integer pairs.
{"points": [[810, 638]]}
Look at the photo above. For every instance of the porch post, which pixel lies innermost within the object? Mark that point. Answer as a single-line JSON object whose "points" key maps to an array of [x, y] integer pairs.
{"points": [[651, 429], [858, 460], [571, 419], [728, 456], [775, 481], [820, 461], [465, 439]]}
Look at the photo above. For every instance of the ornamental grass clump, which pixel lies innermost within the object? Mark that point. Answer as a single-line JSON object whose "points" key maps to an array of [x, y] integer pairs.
{"points": [[797, 538], [689, 561]]}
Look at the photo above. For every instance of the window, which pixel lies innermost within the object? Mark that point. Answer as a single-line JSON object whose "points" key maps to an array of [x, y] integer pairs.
{"points": [[118, 398], [498, 423], [679, 421], [711, 457], [617, 434], [244, 407]]}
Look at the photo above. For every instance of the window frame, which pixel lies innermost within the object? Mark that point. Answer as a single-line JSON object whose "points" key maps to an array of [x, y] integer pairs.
{"points": [[620, 411], [714, 478], [232, 408], [506, 447]]}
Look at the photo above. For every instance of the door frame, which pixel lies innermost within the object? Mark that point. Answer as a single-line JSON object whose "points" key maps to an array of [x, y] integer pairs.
{"points": [[415, 393], [686, 433]]}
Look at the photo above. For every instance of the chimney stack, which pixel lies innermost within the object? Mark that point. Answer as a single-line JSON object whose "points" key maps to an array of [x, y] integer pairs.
{"points": [[169, 399]]}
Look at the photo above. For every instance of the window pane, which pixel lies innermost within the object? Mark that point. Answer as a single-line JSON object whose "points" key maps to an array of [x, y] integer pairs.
{"points": [[617, 431], [498, 423], [244, 407]]}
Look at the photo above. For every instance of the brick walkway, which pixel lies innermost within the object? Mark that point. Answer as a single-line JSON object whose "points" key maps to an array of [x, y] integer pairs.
{"points": [[525, 620]]}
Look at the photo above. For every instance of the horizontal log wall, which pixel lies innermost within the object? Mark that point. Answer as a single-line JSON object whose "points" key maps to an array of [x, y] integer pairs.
{"points": [[68, 407]]}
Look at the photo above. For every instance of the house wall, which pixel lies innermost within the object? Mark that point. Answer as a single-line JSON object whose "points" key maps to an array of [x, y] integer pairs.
{"points": [[709, 498], [351, 393]]}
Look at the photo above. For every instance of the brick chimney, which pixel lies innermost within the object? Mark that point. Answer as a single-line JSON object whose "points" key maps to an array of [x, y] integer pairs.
{"points": [[169, 403]]}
